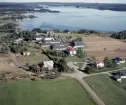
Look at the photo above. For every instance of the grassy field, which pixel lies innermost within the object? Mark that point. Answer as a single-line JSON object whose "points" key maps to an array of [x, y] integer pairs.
{"points": [[110, 91], [36, 55], [45, 92], [74, 59], [33, 59]]}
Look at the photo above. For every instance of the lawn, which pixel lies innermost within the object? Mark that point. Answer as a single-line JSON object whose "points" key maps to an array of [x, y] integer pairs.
{"points": [[33, 59], [110, 91], [74, 59], [36, 55], [45, 92]]}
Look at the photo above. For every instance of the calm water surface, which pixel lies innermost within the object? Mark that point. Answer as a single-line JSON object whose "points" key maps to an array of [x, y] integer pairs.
{"points": [[77, 18]]}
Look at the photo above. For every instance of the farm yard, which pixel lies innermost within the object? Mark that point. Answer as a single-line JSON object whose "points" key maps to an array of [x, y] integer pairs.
{"points": [[45, 92], [110, 91], [102, 47]]}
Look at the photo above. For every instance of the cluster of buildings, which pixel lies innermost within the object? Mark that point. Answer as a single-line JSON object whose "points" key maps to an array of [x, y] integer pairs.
{"points": [[49, 41], [116, 60]]}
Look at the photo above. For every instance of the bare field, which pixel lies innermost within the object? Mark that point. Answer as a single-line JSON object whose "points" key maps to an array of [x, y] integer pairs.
{"points": [[6, 64], [101, 47]]}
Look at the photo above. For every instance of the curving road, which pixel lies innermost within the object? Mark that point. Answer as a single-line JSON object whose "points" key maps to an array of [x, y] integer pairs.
{"points": [[78, 75]]}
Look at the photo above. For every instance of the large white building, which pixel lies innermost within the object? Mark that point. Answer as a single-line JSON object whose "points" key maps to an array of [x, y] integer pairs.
{"points": [[48, 64], [47, 39]]}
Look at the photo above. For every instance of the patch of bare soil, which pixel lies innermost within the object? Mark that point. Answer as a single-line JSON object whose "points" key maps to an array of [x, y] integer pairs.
{"points": [[8, 70]]}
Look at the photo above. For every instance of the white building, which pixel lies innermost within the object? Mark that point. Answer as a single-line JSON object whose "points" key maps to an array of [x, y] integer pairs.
{"points": [[46, 39], [78, 44], [26, 53], [121, 62], [72, 51], [100, 64], [48, 64], [39, 38], [119, 76]]}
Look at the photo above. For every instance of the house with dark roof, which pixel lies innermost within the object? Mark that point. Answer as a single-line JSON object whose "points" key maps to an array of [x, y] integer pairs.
{"points": [[118, 76], [78, 44], [59, 47], [51, 42], [118, 60]]}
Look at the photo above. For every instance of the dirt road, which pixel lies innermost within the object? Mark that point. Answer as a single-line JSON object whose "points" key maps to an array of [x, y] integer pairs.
{"points": [[78, 75]]}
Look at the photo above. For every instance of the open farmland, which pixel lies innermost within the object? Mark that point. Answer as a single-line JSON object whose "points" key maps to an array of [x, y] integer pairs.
{"points": [[102, 47], [45, 92], [110, 91]]}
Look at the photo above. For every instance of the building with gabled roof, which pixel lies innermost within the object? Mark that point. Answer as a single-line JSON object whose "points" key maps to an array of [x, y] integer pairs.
{"points": [[78, 44]]}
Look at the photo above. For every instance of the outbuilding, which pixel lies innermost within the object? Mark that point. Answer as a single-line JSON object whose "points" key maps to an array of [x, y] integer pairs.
{"points": [[48, 64], [78, 44], [118, 60], [72, 51], [100, 64]]}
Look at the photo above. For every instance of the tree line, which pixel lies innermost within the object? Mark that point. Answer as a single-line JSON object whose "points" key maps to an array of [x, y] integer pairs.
{"points": [[119, 35]]}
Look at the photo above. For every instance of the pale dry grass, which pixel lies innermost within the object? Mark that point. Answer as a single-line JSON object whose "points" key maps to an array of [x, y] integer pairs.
{"points": [[101, 47], [6, 64]]}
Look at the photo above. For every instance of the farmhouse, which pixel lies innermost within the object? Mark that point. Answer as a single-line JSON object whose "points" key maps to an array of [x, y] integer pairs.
{"points": [[71, 51], [48, 64], [78, 44], [119, 76], [48, 38], [39, 38], [59, 47], [100, 64], [51, 42], [118, 60]]}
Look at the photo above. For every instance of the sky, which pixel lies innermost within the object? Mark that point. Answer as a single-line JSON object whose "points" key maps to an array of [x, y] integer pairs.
{"points": [[89, 1]]}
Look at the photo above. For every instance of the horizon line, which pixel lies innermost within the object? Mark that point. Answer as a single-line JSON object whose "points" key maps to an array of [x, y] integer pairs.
{"points": [[61, 2]]}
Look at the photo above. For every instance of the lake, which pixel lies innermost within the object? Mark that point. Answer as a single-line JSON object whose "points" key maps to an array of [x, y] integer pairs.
{"points": [[77, 18]]}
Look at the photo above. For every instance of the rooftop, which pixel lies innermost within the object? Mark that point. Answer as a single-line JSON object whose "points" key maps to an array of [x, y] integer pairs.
{"points": [[78, 43]]}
